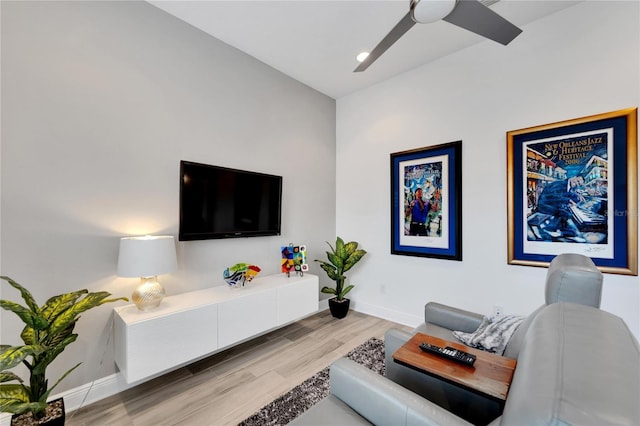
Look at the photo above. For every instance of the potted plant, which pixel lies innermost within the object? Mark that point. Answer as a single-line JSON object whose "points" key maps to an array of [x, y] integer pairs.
{"points": [[341, 258], [48, 331]]}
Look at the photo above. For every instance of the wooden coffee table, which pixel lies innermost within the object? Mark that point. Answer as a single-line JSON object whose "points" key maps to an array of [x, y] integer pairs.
{"points": [[490, 375]]}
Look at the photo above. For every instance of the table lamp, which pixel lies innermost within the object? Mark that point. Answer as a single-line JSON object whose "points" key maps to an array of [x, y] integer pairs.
{"points": [[147, 257]]}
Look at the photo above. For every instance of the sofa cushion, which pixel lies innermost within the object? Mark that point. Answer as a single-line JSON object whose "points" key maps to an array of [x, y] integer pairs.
{"points": [[434, 330], [451, 318], [577, 365]]}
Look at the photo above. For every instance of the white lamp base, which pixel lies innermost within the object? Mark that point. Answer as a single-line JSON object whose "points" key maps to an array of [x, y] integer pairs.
{"points": [[148, 294]]}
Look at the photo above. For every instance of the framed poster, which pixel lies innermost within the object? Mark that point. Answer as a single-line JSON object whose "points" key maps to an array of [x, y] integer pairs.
{"points": [[426, 202], [572, 188]]}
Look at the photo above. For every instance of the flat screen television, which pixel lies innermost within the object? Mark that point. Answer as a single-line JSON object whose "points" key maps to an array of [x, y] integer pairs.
{"points": [[219, 202]]}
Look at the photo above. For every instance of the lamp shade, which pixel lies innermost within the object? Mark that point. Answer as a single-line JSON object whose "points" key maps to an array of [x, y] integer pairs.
{"points": [[146, 256]]}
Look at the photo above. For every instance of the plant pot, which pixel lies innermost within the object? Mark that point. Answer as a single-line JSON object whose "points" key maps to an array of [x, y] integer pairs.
{"points": [[338, 308], [54, 416]]}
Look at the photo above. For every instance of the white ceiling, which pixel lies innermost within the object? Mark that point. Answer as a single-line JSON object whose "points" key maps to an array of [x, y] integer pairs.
{"points": [[316, 41]]}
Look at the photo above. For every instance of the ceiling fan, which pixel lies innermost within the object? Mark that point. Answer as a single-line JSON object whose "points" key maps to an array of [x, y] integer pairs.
{"points": [[472, 15]]}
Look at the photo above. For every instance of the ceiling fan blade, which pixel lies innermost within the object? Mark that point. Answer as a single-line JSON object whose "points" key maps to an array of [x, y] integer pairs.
{"points": [[398, 31], [478, 18]]}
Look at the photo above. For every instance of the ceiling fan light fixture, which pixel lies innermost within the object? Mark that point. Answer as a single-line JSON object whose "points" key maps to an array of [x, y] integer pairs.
{"points": [[427, 11], [362, 56]]}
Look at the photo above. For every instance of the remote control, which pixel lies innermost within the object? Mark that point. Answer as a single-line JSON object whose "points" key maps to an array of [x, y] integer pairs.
{"points": [[450, 353]]}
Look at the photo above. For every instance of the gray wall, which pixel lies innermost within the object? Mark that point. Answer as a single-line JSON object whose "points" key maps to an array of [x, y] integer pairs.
{"points": [[100, 102]]}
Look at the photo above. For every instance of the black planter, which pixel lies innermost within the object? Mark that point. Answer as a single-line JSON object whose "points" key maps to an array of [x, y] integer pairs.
{"points": [[339, 308], [55, 416]]}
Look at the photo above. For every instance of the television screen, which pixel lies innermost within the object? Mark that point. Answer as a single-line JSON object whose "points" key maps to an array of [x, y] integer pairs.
{"points": [[218, 202]]}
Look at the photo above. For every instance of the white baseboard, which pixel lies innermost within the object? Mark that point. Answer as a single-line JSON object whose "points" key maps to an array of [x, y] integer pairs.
{"points": [[388, 314], [323, 305], [92, 392], [378, 311], [84, 395]]}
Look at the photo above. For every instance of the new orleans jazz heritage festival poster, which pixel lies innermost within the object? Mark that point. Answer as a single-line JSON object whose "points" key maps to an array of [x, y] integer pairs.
{"points": [[566, 197]]}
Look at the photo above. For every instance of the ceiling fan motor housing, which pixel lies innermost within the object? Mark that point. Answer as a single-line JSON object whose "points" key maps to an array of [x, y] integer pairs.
{"points": [[427, 11]]}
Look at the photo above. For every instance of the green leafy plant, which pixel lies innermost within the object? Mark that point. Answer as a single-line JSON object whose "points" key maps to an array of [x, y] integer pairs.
{"points": [[48, 331], [341, 258]]}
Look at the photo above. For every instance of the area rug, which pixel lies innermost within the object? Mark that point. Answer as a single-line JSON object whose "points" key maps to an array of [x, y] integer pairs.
{"points": [[287, 407]]}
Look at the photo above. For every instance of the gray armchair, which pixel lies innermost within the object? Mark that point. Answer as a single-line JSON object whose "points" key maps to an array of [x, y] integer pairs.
{"points": [[571, 278]]}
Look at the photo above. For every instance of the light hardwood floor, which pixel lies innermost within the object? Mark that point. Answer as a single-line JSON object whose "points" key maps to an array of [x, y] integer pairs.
{"points": [[226, 388]]}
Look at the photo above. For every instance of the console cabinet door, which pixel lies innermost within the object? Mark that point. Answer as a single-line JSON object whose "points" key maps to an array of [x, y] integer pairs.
{"points": [[246, 316], [297, 300], [153, 346]]}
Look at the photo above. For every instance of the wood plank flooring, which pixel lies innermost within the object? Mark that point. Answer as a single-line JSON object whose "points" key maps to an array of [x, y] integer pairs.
{"points": [[228, 387]]}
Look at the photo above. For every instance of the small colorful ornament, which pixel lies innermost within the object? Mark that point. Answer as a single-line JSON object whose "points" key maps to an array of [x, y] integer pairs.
{"points": [[294, 259], [240, 273]]}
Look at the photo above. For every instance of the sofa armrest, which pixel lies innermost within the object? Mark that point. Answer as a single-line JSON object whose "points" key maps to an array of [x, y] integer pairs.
{"points": [[383, 402], [451, 318], [404, 376], [578, 365], [393, 340], [407, 377]]}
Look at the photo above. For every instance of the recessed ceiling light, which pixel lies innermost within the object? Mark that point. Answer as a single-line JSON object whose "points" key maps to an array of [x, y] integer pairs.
{"points": [[362, 56]]}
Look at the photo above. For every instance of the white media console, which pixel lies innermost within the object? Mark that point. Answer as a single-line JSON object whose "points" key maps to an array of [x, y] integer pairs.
{"points": [[190, 326]]}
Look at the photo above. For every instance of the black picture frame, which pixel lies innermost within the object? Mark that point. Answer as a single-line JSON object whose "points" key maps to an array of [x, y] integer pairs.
{"points": [[437, 231], [572, 188]]}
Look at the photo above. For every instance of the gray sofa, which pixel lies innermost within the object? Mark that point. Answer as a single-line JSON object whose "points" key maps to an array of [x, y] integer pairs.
{"points": [[570, 278], [576, 364]]}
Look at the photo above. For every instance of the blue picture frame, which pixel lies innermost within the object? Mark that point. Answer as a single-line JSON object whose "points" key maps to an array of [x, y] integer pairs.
{"points": [[426, 202], [572, 188]]}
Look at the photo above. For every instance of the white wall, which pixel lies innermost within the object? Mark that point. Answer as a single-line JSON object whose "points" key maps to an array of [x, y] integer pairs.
{"points": [[100, 102], [581, 61]]}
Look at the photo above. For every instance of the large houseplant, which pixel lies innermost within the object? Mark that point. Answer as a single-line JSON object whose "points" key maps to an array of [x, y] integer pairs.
{"points": [[341, 258], [48, 331]]}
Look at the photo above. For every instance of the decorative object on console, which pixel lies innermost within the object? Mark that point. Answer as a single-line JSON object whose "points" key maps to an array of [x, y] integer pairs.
{"points": [[426, 202], [341, 258], [47, 332], [572, 187], [146, 258], [294, 258], [240, 273]]}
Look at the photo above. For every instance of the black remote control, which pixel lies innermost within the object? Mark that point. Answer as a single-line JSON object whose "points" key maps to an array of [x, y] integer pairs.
{"points": [[450, 353]]}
